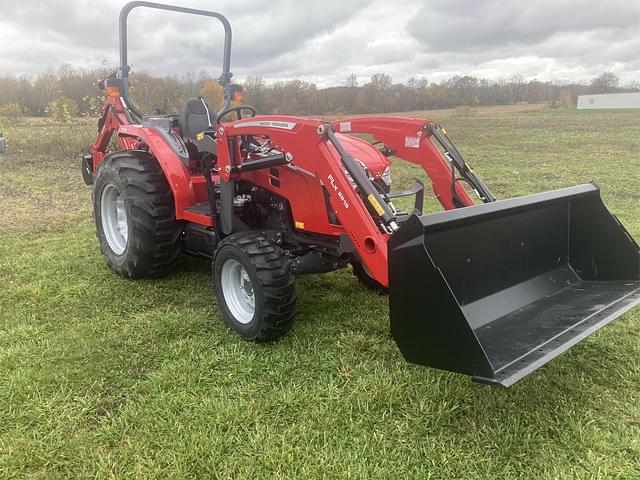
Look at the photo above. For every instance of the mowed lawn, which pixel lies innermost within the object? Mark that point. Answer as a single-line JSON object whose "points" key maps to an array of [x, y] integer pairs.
{"points": [[102, 377]]}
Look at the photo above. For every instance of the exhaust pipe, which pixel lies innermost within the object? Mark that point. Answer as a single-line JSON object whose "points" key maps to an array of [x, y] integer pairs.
{"points": [[510, 284]]}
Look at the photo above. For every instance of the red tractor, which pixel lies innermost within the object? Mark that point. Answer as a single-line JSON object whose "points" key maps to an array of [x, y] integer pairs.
{"points": [[493, 290]]}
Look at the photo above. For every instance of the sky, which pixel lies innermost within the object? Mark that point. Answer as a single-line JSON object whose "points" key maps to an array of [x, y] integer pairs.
{"points": [[325, 42]]}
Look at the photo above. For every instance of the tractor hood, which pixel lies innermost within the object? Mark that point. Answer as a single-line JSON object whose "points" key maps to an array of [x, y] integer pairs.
{"points": [[363, 151]]}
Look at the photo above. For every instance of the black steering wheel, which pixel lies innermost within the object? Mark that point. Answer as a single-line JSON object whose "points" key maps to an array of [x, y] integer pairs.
{"points": [[238, 110]]}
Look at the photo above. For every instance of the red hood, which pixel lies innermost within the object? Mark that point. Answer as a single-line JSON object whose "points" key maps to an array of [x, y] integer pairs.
{"points": [[366, 153]]}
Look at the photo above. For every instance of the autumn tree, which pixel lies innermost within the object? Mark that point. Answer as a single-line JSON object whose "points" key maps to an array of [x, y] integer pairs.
{"points": [[254, 93], [213, 93], [167, 95]]}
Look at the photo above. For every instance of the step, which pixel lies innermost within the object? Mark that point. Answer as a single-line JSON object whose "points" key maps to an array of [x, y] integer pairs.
{"points": [[203, 208]]}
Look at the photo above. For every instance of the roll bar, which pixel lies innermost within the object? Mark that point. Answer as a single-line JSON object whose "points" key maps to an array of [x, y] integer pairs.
{"points": [[123, 72]]}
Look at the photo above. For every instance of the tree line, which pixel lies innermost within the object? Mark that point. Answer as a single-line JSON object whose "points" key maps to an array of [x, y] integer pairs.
{"points": [[68, 92]]}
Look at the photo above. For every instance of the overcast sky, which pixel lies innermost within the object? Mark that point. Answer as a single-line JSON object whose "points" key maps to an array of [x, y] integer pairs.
{"points": [[326, 41]]}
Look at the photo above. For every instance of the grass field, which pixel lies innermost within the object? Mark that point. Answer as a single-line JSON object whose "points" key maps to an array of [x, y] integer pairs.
{"points": [[102, 377]]}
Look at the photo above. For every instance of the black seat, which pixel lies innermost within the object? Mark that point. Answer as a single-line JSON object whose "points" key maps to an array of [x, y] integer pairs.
{"points": [[197, 123], [196, 117]]}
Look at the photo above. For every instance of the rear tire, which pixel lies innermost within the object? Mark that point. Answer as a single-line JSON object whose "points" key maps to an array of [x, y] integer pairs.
{"points": [[367, 280], [255, 286], [134, 214]]}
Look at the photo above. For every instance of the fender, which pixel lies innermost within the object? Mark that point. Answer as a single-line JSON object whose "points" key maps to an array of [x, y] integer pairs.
{"points": [[174, 169]]}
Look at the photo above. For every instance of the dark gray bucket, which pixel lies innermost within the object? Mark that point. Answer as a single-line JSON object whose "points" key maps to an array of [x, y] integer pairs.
{"points": [[497, 290]]}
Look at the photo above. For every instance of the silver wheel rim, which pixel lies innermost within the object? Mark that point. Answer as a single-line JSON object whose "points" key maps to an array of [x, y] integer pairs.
{"points": [[114, 219], [238, 291]]}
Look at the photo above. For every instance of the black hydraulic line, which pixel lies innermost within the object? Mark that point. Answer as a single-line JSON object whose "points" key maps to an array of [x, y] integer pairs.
{"points": [[454, 195], [265, 162], [369, 192], [130, 109], [458, 163]]}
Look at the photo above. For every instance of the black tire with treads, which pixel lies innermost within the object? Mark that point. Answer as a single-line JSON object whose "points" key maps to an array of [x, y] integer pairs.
{"points": [[154, 240], [272, 279], [367, 280]]}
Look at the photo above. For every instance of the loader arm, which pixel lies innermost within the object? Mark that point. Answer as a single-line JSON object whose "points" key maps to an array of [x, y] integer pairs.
{"points": [[416, 141]]}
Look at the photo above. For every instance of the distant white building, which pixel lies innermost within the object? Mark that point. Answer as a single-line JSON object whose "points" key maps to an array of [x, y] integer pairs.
{"points": [[610, 100]]}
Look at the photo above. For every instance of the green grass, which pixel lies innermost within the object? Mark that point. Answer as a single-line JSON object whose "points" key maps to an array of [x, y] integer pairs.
{"points": [[102, 377]]}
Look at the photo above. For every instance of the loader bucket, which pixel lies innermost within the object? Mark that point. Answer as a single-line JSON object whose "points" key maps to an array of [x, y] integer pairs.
{"points": [[497, 290]]}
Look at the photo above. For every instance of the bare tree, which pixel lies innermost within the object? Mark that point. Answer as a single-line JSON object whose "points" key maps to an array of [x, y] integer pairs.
{"points": [[416, 83], [351, 81], [190, 80], [381, 81], [254, 92], [605, 82], [517, 86], [466, 86]]}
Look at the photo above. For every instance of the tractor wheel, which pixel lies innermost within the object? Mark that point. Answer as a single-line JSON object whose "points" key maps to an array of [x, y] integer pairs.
{"points": [[254, 285], [366, 279], [135, 219]]}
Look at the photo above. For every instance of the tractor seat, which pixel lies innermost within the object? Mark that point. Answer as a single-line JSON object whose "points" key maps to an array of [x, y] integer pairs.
{"points": [[197, 122]]}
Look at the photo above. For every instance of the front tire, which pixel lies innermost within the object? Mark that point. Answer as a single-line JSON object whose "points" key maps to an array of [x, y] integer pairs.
{"points": [[134, 214], [366, 279], [255, 286]]}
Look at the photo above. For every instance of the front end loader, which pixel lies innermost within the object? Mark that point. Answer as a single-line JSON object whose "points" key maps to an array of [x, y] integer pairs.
{"points": [[493, 290]]}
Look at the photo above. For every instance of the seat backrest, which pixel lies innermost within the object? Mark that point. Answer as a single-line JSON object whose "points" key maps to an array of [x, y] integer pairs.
{"points": [[196, 117]]}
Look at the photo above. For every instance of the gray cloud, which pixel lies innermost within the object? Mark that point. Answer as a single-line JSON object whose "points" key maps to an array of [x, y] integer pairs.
{"points": [[324, 42], [460, 25]]}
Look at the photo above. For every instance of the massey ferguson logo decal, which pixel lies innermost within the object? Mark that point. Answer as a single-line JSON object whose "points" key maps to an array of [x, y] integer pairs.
{"points": [[332, 181], [267, 123]]}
